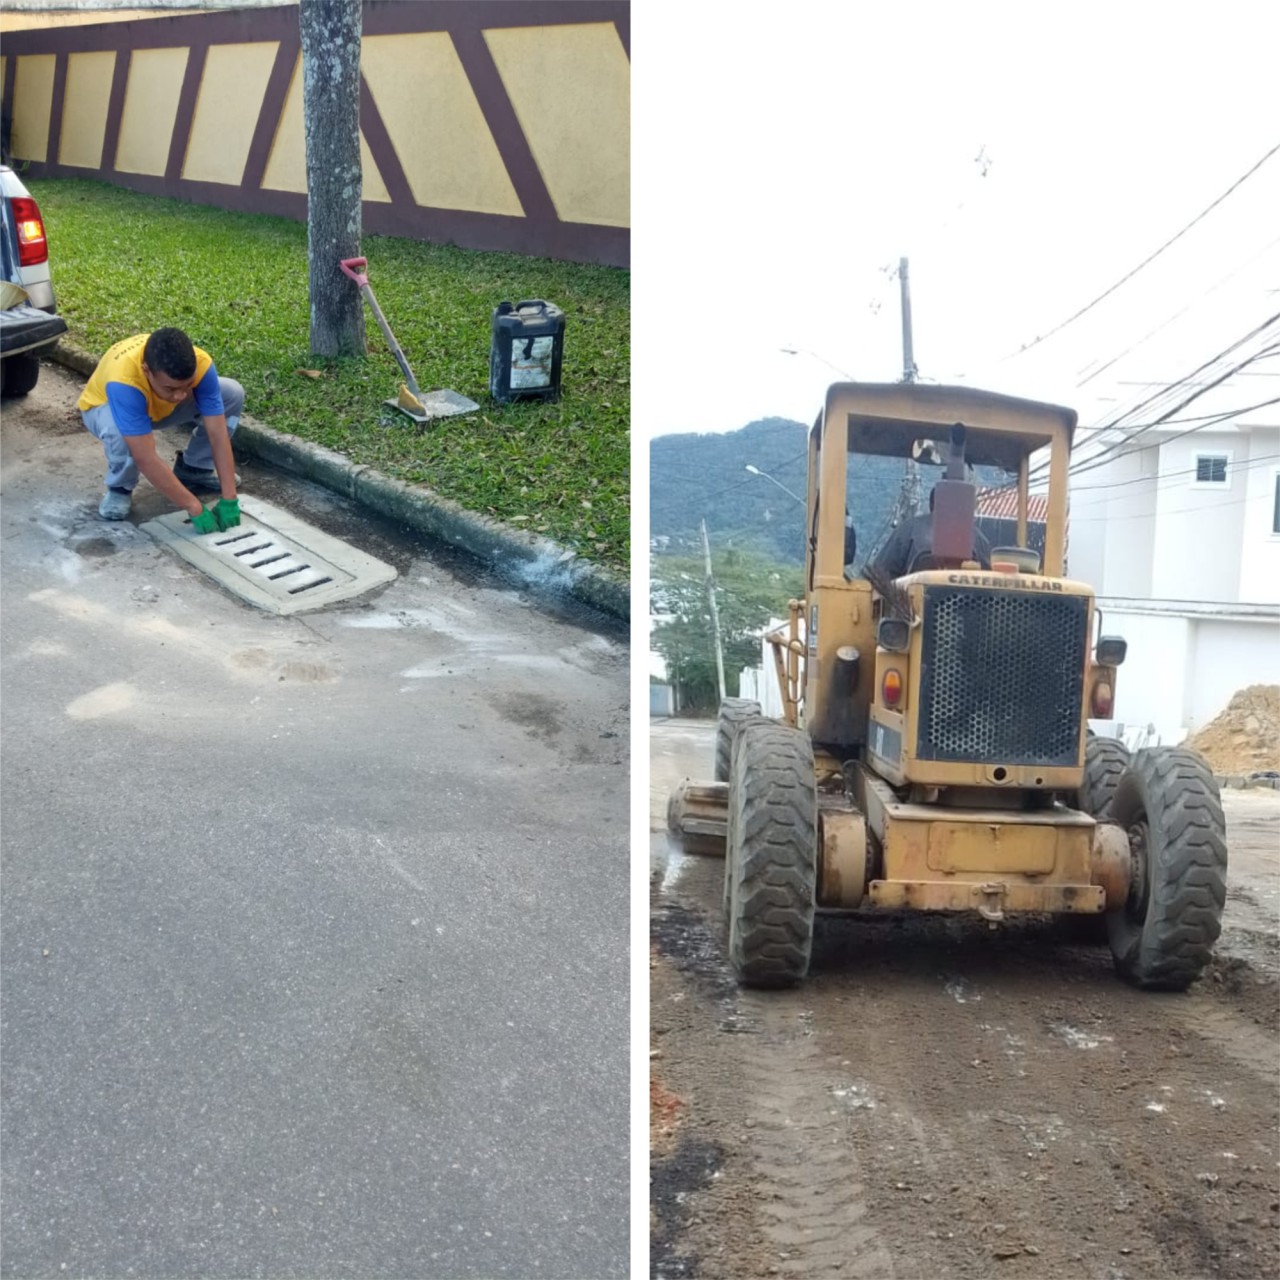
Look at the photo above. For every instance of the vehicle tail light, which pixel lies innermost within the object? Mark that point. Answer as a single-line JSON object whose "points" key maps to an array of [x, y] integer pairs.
{"points": [[891, 687], [1100, 701], [33, 248]]}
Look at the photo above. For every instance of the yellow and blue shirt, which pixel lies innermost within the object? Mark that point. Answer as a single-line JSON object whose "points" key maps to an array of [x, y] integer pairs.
{"points": [[119, 381]]}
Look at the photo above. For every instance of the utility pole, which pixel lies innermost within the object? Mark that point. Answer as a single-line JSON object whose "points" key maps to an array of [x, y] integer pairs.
{"points": [[909, 497], [715, 613], [909, 369]]}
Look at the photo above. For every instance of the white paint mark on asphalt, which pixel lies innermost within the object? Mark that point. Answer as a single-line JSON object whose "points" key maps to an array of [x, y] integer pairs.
{"points": [[962, 992], [403, 874], [1215, 1101], [69, 606], [104, 701], [47, 649], [450, 619], [535, 661], [1155, 1106]]}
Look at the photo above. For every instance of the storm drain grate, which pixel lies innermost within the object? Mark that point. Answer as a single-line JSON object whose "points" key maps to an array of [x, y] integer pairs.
{"points": [[274, 560]]}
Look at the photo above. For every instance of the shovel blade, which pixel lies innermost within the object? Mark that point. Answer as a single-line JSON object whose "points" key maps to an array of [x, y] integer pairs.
{"points": [[436, 404]]}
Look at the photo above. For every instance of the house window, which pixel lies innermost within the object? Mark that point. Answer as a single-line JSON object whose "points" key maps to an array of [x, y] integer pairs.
{"points": [[1275, 510], [1211, 468]]}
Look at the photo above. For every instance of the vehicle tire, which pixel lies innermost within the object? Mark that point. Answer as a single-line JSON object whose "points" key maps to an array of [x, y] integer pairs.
{"points": [[1105, 760], [19, 374], [733, 711], [1168, 803], [771, 862]]}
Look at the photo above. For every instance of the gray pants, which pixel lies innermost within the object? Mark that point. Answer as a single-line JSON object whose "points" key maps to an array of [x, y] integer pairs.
{"points": [[122, 471]]}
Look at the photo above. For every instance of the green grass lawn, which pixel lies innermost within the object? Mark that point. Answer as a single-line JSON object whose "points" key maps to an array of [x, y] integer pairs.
{"points": [[124, 263]]}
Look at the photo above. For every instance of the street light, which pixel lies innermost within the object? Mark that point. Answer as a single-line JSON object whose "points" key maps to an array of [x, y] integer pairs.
{"points": [[804, 351], [764, 475]]}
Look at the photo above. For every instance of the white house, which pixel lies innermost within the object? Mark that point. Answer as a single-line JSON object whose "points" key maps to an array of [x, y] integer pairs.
{"points": [[1179, 534]]}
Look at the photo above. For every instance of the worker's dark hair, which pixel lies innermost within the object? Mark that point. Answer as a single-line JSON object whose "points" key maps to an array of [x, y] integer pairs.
{"points": [[169, 351]]}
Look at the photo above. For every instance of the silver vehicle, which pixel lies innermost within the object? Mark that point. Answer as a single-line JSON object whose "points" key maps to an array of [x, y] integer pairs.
{"points": [[29, 320]]}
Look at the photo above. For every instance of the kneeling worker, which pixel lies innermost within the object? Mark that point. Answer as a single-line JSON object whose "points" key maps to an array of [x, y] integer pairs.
{"points": [[160, 380]]}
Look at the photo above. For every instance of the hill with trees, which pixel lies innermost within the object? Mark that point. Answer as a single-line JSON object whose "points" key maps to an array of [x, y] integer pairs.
{"points": [[693, 477]]}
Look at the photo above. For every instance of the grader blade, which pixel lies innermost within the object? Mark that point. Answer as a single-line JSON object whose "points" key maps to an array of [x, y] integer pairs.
{"points": [[696, 816]]}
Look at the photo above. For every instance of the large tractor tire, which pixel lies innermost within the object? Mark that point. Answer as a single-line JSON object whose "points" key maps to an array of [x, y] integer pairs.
{"points": [[1168, 803], [771, 861], [1105, 760], [733, 713]]}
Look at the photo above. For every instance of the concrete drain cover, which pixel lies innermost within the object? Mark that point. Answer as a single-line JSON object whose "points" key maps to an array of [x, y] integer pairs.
{"points": [[273, 559]]}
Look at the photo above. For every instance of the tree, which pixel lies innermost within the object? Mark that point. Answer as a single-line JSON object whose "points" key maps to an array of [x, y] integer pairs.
{"points": [[330, 31], [750, 590]]}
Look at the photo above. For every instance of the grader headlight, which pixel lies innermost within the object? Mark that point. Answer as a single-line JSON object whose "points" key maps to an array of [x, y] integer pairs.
{"points": [[1110, 651], [894, 634]]}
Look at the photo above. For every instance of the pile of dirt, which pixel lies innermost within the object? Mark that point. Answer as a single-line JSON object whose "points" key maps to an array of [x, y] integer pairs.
{"points": [[1245, 738]]}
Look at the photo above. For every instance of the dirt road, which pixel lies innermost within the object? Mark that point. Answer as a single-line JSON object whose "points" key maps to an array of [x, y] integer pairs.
{"points": [[941, 1101]]}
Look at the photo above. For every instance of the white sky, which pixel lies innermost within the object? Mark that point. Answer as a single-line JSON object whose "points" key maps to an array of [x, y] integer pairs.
{"points": [[785, 155]]}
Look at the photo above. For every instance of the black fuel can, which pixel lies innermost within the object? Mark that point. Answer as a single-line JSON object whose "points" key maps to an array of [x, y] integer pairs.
{"points": [[526, 352]]}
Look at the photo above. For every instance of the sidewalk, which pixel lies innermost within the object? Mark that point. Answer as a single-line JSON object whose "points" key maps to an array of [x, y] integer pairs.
{"points": [[529, 559]]}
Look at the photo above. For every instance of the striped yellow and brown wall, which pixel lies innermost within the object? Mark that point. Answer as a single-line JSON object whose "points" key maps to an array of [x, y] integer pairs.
{"points": [[492, 124]]}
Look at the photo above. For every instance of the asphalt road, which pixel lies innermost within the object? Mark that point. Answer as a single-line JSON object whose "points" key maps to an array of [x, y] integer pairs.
{"points": [[313, 930]]}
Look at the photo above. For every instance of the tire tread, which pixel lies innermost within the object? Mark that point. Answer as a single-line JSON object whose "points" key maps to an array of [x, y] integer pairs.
{"points": [[1187, 868], [773, 858]]}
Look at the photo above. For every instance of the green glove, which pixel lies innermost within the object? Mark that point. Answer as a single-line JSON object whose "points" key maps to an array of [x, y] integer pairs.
{"points": [[227, 513], [205, 522]]}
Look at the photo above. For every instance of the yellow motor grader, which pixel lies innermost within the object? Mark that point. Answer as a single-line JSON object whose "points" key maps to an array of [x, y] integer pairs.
{"points": [[934, 752]]}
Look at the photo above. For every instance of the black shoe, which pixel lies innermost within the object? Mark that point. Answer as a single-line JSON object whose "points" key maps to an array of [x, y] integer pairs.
{"points": [[197, 477]]}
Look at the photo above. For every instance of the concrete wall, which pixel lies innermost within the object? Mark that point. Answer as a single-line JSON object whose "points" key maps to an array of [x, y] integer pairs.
{"points": [[1226, 656], [1151, 684], [1112, 525], [1183, 665], [1199, 527], [662, 700], [761, 685], [1260, 552], [492, 124]]}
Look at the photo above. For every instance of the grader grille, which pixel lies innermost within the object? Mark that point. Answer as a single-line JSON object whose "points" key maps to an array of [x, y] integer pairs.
{"points": [[1002, 676]]}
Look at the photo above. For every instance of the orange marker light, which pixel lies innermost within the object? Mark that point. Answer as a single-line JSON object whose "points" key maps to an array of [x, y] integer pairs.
{"points": [[891, 687]]}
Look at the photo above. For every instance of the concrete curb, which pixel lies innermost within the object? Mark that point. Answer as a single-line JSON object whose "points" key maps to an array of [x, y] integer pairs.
{"points": [[529, 559], [1238, 783]]}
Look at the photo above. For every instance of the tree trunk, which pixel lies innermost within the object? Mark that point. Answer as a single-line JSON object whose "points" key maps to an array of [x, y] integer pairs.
{"points": [[330, 31]]}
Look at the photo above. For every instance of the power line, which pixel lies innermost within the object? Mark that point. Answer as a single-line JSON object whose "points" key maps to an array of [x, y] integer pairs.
{"points": [[1170, 389], [1176, 315], [1117, 422], [1169, 475], [718, 491], [1165, 483], [1204, 509], [1035, 342], [1100, 459]]}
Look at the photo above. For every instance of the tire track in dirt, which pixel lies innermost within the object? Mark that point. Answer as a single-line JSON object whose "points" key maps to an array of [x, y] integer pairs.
{"points": [[937, 1102], [940, 1100], [811, 1198], [1020, 1107]]}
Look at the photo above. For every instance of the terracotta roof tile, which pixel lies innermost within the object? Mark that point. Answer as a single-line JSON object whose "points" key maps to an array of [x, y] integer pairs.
{"points": [[1003, 503]]}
